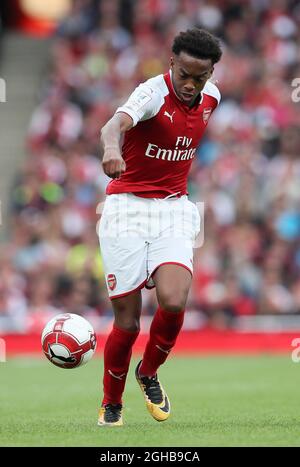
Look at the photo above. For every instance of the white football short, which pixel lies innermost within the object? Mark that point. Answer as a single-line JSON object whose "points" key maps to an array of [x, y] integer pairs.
{"points": [[137, 235]]}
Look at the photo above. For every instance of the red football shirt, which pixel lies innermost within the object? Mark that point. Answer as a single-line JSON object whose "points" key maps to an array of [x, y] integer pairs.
{"points": [[161, 146]]}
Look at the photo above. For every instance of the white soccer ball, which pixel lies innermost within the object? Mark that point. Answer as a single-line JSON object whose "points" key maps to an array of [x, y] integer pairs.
{"points": [[68, 340]]}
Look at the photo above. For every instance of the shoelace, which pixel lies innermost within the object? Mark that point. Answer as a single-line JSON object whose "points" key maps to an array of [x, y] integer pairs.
{"points": [[112, 412], [152, 389]]}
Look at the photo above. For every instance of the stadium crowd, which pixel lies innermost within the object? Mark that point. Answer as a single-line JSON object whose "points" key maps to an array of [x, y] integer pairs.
{"points": [[247, 170]]}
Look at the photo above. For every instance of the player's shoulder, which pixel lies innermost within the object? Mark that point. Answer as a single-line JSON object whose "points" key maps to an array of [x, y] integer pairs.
{"points": [[212, 90], [156, 85], [146, 100]]}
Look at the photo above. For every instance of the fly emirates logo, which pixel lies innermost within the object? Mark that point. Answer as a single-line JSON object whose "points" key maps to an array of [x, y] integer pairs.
{"points": [[182, 151]]}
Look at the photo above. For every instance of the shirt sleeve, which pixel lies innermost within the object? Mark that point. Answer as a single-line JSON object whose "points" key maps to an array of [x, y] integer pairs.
{"points": [[211, 89], [144, 103]]}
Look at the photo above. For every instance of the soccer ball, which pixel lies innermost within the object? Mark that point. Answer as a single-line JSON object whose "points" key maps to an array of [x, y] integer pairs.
{"points": [[68, 340]]}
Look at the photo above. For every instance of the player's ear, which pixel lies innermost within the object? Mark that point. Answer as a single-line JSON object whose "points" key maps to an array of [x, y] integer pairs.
{"points": [[171, 62]]}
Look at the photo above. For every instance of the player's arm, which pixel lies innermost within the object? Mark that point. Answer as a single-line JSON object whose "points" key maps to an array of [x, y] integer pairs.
{"points": [[142, 104], [112, 162]]}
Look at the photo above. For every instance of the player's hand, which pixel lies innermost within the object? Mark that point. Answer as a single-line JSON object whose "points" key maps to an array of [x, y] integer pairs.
{"points": [[113, 164]]}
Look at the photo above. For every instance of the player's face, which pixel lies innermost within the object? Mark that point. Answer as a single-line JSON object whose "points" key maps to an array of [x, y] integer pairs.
{"points": [[189, 75]]}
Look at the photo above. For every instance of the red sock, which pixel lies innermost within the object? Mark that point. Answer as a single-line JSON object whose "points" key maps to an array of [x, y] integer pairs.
{"points": [[164, 330], [117, 354]]}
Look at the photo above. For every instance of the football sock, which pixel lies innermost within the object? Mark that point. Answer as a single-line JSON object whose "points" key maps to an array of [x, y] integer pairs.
{"points": [[164, 330], [117, 354]]}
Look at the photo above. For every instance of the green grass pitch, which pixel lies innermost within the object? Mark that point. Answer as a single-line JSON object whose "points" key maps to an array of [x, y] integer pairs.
{"points": [[216, 401]]}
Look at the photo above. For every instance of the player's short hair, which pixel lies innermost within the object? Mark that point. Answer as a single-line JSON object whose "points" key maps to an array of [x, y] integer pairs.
{"points": [[198, 43]]}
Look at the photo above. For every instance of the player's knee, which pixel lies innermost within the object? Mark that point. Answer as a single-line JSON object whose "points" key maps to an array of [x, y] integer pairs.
{"points": [[173, 307], [172, 302], [131, 325]]}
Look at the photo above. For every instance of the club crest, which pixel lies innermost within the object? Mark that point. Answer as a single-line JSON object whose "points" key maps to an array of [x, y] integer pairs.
{"points": [[206, 114], [111, 281]]}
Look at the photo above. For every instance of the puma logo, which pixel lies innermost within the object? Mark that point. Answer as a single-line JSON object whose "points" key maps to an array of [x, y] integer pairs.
{"points": [[166, 406], [169, 115], [162, 350], [63, 359], [116, 376]]}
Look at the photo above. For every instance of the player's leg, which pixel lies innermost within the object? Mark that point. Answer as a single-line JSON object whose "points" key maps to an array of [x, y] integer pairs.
{"points": [[170, 267], [118, 347], [170, 263], [117, 355], [124, 259], [172, 286]]}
